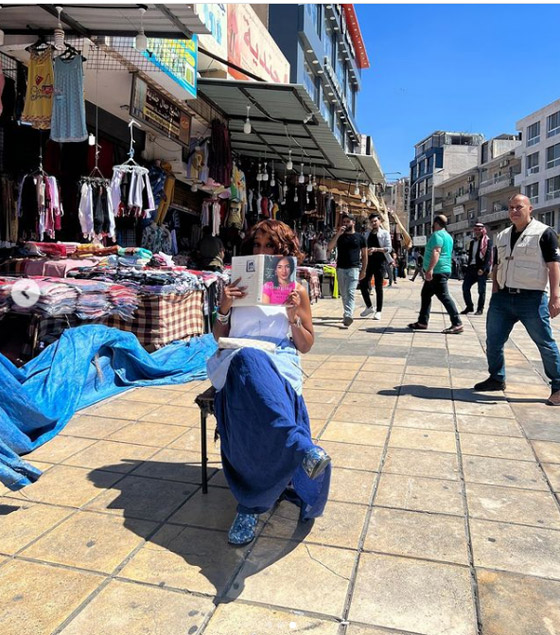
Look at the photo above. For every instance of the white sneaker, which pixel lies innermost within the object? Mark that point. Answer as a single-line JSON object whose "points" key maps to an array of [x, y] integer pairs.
{"points": [[367, 311], [377, 315]]}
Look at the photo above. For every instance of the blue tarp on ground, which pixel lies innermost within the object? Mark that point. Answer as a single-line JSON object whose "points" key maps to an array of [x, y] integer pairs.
{"points": [[86, 365]]}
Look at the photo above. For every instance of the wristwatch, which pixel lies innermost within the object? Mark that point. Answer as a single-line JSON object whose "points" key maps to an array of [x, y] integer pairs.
{"points": [[296, 322]]}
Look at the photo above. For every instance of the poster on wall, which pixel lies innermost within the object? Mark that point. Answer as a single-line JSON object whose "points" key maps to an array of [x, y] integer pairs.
{"points": [[251, 47], [152, 107], [177, 59]]}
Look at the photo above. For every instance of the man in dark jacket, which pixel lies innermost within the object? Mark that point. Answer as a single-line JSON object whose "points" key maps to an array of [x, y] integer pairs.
{"points": [[479, 265]]}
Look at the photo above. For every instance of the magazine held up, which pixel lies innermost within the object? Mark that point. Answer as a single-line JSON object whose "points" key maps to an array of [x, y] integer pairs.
{"points": [[268, 279]]}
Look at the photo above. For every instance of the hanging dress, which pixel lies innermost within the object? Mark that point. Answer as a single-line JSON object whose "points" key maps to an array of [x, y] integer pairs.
{"points": [[69, 111], [40, 86]]}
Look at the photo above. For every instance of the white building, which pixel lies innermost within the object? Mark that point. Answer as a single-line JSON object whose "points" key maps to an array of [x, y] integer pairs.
{"points": [[540, 162]]}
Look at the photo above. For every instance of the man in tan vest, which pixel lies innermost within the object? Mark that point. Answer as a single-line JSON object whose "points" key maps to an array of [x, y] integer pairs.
{"points": [[526, 261]]}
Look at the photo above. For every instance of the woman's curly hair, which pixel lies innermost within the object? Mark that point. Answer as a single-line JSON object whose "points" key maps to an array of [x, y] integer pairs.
{"points": [[281, 236]]}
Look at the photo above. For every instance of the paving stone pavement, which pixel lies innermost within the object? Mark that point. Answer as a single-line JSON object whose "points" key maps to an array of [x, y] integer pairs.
{"points": [[444, 512]]}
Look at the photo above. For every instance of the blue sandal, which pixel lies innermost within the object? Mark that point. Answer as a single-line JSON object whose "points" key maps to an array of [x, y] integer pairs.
{"points": [[242, 530]]}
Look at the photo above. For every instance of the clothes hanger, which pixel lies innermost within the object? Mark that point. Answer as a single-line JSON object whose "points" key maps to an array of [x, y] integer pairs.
{"points": [[70, 53], [38, 46]]}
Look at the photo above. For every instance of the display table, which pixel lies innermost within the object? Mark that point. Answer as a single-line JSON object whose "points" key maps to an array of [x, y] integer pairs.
{"points": [[162, 319]]}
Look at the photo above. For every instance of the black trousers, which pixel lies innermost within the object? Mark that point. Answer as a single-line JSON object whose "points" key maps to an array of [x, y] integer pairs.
{"points": [[377, 271], [471, 278], [437, 286]]}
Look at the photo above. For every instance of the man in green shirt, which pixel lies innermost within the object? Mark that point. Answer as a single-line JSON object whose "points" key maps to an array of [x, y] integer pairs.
{"points": [[437, 269]]}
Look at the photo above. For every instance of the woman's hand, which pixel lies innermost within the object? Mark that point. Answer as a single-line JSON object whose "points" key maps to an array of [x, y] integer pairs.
{"points": [[231, 292], [292, 305]]}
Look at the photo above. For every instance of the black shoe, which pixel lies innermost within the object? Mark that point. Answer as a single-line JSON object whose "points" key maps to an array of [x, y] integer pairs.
{"points": [[466, 311], [479, 312], [489, 385]]}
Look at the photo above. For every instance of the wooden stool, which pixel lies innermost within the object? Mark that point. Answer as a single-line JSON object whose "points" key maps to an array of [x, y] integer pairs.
{"points": [[205, 401]]}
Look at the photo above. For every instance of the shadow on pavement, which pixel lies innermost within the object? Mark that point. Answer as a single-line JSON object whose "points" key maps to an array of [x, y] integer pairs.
{"points": [[459, 394], [200, 536]]}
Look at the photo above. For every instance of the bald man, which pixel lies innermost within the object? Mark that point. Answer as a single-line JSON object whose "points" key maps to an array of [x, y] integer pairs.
{"points": [[437, 269], [526, 261]]}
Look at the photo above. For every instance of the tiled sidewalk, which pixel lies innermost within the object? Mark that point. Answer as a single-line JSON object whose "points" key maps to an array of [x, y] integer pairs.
{"points": [[443, 515]]}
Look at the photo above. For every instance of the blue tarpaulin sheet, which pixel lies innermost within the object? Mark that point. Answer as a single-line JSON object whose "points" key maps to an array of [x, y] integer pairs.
{"points": [[86, 365]]}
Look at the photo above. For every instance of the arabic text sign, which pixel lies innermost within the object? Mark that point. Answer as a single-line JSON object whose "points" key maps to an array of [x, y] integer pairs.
{"points": [[177, 59], [251, 47], [152, 107]]}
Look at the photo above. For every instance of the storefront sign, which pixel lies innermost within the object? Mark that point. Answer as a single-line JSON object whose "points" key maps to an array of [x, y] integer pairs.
{"points": [[251, 47], [153, 108], [177, 59]]}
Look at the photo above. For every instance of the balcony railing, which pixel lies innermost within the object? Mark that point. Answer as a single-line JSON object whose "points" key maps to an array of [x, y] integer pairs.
{"points": [[493, 216], [468, 196], [460, 225], [493, 185]]}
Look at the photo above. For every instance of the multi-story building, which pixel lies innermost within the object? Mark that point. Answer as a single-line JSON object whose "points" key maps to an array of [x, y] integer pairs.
{"points": [[458, 200], [539, 153], [498, 169], [326, 54], [438, 157], [481, 193], [396, 196]]}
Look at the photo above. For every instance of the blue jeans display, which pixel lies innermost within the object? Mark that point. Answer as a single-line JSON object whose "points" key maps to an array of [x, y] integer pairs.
{"points": [[347, 283], [437, 286], [471, 278], [531, 309]]}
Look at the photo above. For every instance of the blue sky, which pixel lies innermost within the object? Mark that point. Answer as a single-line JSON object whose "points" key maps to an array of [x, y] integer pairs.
{"points": [[465, 68]]}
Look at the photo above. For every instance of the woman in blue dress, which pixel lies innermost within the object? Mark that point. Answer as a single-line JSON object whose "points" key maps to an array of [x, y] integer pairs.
{"points": [[266, 446]]}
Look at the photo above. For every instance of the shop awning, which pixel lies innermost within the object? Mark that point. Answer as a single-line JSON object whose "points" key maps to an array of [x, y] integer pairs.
{"points": [[284, 117], [115, 20]]}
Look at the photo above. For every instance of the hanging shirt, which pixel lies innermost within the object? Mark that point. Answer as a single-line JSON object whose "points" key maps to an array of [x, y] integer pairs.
{"points": [[69, 111], [40, 86]]}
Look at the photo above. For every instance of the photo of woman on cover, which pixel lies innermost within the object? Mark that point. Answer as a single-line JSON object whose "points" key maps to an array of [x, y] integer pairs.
{"points": [[281, 279]]}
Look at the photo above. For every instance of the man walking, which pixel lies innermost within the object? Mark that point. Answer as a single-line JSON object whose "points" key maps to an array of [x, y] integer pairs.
{"points": [[378, 249], [527, 259], [418, 265], [437, 269], [478, 268], [351, 263]]}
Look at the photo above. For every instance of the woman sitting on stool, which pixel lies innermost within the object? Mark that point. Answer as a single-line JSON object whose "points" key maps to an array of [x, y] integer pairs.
{"points": [[266, 446]]}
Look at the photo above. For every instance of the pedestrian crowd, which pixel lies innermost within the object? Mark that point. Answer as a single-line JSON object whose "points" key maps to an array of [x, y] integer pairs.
{"points": [[523, 266]]}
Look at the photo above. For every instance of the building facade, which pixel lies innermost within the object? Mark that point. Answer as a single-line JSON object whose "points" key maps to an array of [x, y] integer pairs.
{"points": [[539, 154], [458, 199], [396, 196], [499, 167], [326, 55], [438, 157], [481, 193]]}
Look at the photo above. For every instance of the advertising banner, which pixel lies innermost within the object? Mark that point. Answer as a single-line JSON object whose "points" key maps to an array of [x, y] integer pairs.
{"points": [[214, 17], [251, 47], [177, 59]]}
